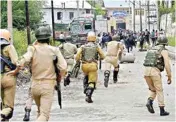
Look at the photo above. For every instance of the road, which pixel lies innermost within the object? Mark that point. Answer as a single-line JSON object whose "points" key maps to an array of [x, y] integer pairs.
{"points": [[124, 101]]}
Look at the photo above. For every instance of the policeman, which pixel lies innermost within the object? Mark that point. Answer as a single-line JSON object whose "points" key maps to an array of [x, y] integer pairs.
{"points": [[8, 83], [29, 101], [88, 54], [68, 50], [114, 49], [156, 60], [28, 106], [43, 72]]}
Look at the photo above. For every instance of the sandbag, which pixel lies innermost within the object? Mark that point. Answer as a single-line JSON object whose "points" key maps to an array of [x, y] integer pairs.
{"points": [[127, 57]]}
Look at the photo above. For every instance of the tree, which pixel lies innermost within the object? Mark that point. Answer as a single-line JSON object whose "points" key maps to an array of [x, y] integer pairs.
{"points": [[98, 7], [18, 9], [163, 9], [98, 10]]}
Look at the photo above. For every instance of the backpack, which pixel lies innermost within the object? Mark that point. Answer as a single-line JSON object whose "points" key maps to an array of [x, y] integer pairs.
{"points": [[154, 58]]}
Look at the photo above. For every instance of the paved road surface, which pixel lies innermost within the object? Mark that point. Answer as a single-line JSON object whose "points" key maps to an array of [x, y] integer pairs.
{"points": [[124, 101]]}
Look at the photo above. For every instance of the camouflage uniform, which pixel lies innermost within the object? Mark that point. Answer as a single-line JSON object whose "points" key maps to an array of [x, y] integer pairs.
{"points": [[153, 77], [88, 54], [68, 50]]}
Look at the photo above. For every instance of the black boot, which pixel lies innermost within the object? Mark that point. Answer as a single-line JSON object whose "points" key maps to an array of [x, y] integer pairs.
{"points": [[115, 74], [85, 83], [163, 112], [89, 93], [27, 114], [106, 79], [150, 105], [67, 80]]}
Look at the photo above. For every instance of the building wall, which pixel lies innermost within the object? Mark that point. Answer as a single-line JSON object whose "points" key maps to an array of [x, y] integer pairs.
{"points": [[128, 18], [65, 13]]}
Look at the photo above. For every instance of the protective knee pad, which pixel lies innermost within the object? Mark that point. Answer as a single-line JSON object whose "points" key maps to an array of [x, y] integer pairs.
{"points": [[107, 73], [69, 74], [7, 113], [90, 89]]}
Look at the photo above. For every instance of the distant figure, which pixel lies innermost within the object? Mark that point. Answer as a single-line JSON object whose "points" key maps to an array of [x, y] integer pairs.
{"points": [[153, 38], [105, 39], [162, 33], [99, 39], [61, 36], [147, 33], [156, 34], [142, 39], [130, 43]]}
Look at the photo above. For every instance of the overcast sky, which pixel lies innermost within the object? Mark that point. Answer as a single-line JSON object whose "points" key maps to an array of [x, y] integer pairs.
{"points": [[123, 3]]}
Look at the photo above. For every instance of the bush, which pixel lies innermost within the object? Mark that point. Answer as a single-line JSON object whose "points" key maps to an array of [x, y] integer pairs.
{"points": [[172, 41], [20, 41]]}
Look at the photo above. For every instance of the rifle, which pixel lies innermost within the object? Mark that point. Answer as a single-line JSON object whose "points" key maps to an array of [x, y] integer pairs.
{"points": [[75, 69], [58, 79], [6, 62], [100, 64]]}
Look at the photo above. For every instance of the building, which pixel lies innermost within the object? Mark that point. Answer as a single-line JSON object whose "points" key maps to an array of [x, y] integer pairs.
{"points": [[122, 11], [65, 10]]}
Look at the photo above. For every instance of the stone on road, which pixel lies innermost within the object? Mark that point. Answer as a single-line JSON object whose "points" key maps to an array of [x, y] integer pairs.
{"points": [[123, 101]]}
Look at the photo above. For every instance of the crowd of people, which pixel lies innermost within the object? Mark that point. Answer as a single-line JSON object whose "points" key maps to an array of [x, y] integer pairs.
{"points": [[43, 67], [130, 39]]}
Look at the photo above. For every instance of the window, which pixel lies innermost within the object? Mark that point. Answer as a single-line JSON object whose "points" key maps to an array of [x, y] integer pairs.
{"points": [[172, 3], [71, 15], [87, 26], [59, 15], [87, 11]]}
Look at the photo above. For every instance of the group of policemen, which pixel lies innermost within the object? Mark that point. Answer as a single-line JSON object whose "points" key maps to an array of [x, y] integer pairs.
{"points": [[43, 81]]}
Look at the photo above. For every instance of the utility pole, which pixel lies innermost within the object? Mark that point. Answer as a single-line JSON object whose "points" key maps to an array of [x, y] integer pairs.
{"points": [[0, 13], [157, 9], [166, 17], [27, 22], [77, 1], [52, 16], [148, 9], [133, 15], [140, 16], [9, 18]]}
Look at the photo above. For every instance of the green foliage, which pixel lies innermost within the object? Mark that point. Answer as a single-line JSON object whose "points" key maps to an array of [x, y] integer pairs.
{"points": [[166, 10], [98, 10], [19, 17], [172, 41], [54, 42], [20, 41]]}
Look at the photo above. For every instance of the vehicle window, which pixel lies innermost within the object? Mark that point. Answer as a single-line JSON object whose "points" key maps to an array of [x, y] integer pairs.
{"points": [[75, 29], [88, 27]]}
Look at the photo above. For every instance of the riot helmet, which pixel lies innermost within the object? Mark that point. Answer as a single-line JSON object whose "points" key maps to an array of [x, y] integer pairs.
{"points": [[91, 37], [162, 40], [5, 34], [43, 33]]}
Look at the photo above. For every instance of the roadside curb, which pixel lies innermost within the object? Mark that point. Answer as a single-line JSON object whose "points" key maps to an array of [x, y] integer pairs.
{"points": [[171, 51], [172, 55]]}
